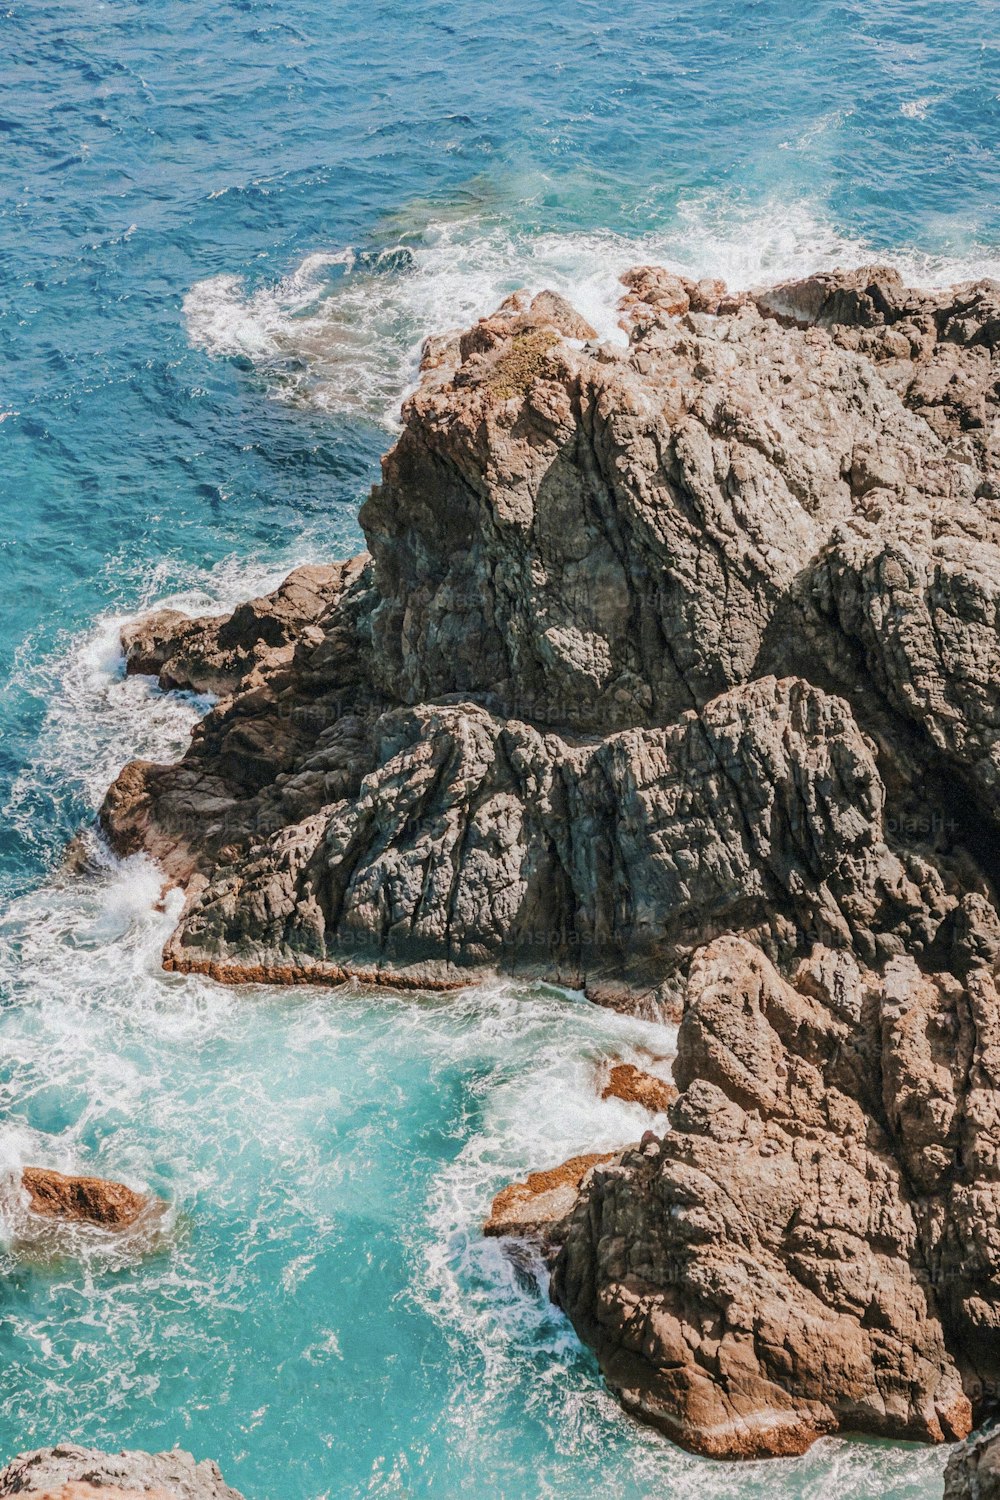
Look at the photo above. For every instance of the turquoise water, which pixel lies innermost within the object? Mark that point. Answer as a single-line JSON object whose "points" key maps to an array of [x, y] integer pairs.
{"points": [[224, 229]]}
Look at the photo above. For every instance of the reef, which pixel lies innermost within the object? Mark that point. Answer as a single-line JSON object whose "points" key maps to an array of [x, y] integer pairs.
{"points": [[671, 673]]}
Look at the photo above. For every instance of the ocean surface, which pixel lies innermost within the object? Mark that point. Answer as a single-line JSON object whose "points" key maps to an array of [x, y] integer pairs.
{"points": [[224, 230]]}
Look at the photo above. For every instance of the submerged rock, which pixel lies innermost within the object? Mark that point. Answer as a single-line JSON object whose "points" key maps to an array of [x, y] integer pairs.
{"points": [[68, 1472], [674, 669]]}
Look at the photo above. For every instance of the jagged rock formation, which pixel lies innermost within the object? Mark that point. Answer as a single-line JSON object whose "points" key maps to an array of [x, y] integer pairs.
{"points": [[87, 1200], [539, 1208], [672, 673], [973, 1470], [631, 1084], [809, 1247], [68, 1472]]}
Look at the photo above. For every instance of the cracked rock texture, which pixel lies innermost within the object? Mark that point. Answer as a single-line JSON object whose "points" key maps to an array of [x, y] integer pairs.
{"points": [[671, 673], [808, 1247], [68, 1472], [973, 1470]]}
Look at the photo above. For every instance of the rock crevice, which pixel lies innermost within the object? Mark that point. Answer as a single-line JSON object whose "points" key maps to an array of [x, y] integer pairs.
{"points": [[671, 672]]}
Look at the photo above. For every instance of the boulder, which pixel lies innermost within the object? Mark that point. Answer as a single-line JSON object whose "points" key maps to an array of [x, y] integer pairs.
{"points": [[82, 1200], [631, 1084], [538, 1208]]}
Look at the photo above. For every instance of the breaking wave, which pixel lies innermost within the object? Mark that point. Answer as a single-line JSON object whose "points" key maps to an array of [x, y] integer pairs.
{"points": [[343, 330], [328, 1159]]}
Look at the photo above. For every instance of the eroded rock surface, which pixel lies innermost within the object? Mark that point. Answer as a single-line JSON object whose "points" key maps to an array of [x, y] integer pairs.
{"points": [[634, 1086], [86, 1200], [973, 1470], [671, 673], [808, 1248], [539, 1208], [68, 1472]]}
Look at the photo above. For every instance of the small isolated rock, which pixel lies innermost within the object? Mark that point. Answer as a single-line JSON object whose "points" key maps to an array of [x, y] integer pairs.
{"points": [[82, 1200], [68, 1472], [973, 1470], [636, 1087], [536, 1208]]}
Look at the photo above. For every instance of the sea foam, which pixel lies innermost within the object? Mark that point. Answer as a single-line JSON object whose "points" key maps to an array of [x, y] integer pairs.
{"points": [[329, 1158], [343, 332]]}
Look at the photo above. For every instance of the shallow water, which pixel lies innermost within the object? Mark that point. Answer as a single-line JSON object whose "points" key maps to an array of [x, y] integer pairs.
{"points": [[224, 230]]}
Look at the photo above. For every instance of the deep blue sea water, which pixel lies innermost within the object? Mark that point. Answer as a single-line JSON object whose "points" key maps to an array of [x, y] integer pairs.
{"points": [[224, 230]]}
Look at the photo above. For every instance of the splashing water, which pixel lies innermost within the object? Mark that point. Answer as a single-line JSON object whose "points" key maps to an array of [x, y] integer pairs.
{"points": [[322, 1314], [320, 1310], [345, 335]]}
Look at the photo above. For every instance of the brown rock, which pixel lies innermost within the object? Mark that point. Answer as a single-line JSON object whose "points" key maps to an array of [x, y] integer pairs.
{"points": [[77, 1200], [654, 293], [550, 308], [217, 654], [69, 1472], [792, 1259], [536, 1209], [630, 1083]]}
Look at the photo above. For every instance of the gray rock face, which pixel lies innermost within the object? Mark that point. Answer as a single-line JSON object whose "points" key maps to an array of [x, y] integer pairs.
{"points": [[973, 1470], [672, 673], [476, 840], [129, 1475]]}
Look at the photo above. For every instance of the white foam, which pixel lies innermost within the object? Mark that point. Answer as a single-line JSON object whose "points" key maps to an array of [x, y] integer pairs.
{"points": [[350, 341], [97, 718], [267, 1115]]}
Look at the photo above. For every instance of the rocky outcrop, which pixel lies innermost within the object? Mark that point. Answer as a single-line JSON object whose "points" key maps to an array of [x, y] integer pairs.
{"points": [[68, 1472], [812, 1246], [82, 1200], [634, 1086], [256, 639], [463, 851], [610, 683], [539, 1209], [671, 674], [973, 1470]]}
